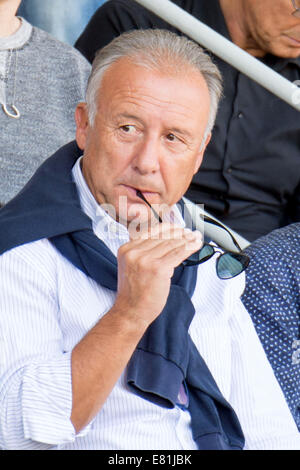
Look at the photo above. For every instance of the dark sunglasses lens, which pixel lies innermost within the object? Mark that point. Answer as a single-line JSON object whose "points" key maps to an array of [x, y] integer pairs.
{"points": [[231, 264], [200, 256]]}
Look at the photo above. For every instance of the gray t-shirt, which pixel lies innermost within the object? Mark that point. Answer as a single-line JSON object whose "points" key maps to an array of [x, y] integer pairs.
{"points": [[45, 79]]}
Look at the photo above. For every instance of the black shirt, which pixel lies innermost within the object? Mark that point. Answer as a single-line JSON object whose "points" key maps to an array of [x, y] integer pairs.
{"points": [[250, 175]]}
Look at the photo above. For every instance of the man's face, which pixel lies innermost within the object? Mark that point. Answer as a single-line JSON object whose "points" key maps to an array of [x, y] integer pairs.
{"points": [[147, 135], [273, 27]]}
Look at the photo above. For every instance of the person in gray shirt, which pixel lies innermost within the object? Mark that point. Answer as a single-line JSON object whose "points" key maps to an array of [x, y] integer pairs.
{"points": [[41, 82]]}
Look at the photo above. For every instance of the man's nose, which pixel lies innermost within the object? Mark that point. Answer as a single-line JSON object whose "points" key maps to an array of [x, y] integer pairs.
{"points": [[146, 158]]}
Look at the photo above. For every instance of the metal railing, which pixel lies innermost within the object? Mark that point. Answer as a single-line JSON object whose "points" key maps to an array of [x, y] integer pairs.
{"points": [[225, 49]]}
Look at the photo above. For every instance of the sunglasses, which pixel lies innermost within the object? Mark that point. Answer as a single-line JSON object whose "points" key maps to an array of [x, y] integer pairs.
{"points": [[229, 264]]}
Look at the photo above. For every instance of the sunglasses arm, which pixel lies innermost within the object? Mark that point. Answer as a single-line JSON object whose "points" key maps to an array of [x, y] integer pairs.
{"points": [[218, 224]]}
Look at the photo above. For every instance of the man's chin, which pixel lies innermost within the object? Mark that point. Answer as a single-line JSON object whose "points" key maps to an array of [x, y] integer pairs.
{"points": [[288, 48]]}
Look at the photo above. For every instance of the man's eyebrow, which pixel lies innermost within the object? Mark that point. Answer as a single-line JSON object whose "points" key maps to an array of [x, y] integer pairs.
{"points": [[128, 116]]}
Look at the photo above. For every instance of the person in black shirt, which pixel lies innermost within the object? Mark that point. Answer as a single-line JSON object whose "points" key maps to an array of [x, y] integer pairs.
{"points": [[250, 176]]}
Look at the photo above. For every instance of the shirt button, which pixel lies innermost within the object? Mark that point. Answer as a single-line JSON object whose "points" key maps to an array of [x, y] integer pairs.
{"points": [[240, 115], [182, 398], [112, 228], [229, 170]]}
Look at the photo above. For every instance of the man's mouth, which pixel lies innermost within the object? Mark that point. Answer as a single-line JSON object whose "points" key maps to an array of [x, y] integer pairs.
{"points": [[141, 196], [294, 40], [146, 192]]}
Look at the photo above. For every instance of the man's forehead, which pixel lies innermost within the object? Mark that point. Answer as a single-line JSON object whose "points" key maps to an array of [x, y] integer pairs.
{"points": [[135, 86], [127, 72]]}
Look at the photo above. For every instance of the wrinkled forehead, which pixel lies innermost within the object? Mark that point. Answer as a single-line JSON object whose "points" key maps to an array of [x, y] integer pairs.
{"points": [[126, 84], [166, 67], [129, 76]]}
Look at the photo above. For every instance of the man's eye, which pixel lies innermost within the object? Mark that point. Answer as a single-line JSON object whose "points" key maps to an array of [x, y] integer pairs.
{"points": [[128, 129], [172, 138]]}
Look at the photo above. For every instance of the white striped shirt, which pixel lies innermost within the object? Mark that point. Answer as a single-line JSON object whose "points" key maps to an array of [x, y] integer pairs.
{"points": [[47, 306]]}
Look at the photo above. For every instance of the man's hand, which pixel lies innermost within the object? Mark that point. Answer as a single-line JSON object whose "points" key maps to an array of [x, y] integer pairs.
{"points": [[145, 267]]}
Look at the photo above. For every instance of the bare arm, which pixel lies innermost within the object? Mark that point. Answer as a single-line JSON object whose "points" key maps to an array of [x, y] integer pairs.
{"points": [[145, 268]]}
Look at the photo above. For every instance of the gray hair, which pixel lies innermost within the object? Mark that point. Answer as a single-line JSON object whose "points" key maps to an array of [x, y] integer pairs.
{"points": [[156, 49]]}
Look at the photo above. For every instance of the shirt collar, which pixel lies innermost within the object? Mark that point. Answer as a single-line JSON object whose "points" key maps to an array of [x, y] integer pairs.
{"points": [[279, 63], [19, 38]]}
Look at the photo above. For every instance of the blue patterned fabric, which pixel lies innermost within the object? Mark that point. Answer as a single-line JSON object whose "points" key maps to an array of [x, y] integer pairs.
{"points": [[272, 297]]}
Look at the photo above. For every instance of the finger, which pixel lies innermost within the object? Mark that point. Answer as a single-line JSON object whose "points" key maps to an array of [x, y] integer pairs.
{"points": [[154, 231], [157, 249], [180, 252], [163, 231], [148, 244]]}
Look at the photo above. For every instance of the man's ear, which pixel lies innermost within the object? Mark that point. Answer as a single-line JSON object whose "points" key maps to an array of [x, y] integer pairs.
{"points": [[201, 153], [82, 124]]}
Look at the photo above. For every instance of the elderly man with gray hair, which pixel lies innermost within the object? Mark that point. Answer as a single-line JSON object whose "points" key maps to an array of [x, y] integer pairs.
{"points": [[119, 329]]}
